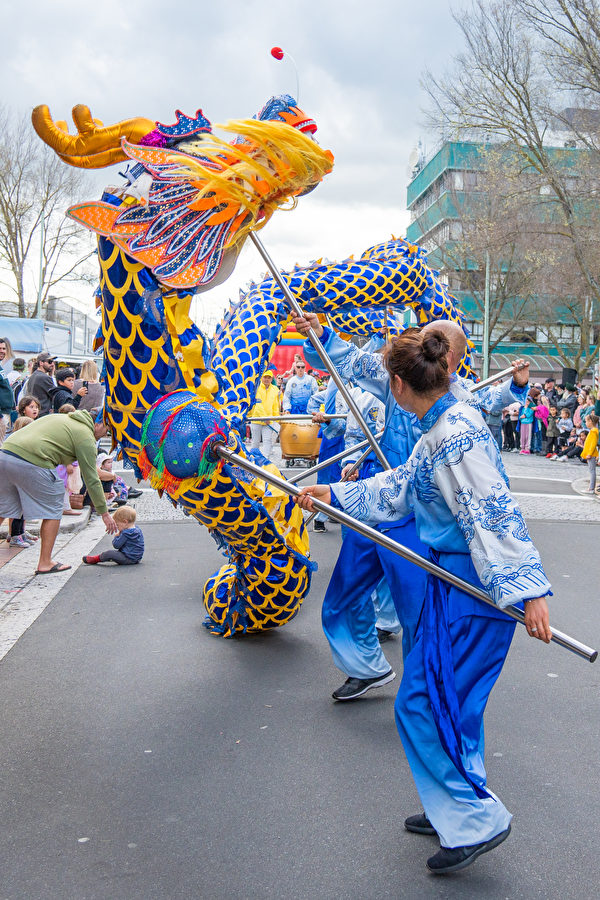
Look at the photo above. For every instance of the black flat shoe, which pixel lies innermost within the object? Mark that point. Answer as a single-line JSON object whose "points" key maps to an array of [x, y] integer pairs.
{"points": [[452, 859], [356, 687], [419, 824], [383, 636]]}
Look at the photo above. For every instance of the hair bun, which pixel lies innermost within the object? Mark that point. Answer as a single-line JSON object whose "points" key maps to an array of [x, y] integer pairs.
{"points": [[435, 345]]}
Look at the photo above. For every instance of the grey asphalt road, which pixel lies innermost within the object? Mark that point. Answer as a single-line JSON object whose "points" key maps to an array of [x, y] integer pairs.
{"points": [[142, 757]]}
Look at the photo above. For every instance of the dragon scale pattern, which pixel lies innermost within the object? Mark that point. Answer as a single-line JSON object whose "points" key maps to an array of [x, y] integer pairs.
{"points": [[153, 348]]}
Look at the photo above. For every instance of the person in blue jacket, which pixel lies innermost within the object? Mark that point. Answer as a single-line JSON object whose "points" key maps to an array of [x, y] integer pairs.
{"points": [[454, 485], [299, 390], [348, 615]]}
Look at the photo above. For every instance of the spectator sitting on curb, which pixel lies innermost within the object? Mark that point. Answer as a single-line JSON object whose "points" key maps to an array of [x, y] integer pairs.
{"points": [[573, 448], [128, 544], [30, 488], [63, 392]]}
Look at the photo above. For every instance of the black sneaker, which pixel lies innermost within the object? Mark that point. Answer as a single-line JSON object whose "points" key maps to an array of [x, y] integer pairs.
{"points": [[451, 859], [132, 493], [356, 687], [419, 824], [384, 635], [319, 526]]}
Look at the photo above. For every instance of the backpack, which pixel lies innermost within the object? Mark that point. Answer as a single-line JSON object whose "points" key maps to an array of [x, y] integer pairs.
{"points": [[17, 387], [7, 402]]}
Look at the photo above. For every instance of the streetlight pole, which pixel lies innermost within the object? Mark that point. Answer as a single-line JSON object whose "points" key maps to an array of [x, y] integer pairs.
{"points": [[38, 305], [485, 370]]}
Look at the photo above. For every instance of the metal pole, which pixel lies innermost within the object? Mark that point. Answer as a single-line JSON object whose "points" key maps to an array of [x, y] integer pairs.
{"points": [[292, 418], [321, 351], [485, 370], [356, 465], [481, 384], [332, 459], [38, 304], [343, 518]]}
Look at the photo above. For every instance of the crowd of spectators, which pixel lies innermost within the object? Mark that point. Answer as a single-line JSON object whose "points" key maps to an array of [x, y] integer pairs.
{"points": [[558, 421], [55, 468]]}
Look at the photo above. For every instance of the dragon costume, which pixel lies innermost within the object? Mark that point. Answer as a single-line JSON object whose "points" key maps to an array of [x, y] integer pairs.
{"points": [[176, 227]]}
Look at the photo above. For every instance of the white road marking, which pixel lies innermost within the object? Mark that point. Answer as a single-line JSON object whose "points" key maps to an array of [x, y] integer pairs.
{"points": [[552, 496], [540, 478], [25, 595]]}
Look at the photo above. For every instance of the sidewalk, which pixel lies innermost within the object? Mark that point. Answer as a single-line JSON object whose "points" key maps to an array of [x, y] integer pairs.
{"points": [[68, 525]]}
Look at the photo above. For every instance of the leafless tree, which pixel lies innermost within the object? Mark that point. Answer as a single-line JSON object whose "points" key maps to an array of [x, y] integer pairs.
{"points": [[524, 59], [35, 190], [570, 42], [492, 227]]}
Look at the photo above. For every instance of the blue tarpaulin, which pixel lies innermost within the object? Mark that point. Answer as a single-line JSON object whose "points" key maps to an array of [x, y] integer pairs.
{"points": [[25, 335]]}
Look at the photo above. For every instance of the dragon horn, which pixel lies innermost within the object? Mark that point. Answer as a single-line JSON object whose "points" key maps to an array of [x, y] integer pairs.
{"points": [[95, 145]]}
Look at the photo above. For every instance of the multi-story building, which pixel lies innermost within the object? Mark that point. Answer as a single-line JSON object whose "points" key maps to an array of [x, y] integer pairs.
{"points": [[440, 187]]}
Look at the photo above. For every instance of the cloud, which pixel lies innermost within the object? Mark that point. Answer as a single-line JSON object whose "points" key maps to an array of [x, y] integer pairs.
{"points": [[359, 67]]}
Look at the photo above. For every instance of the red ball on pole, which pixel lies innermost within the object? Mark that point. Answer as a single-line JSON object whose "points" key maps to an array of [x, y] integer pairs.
{"points": [[276, 52]]}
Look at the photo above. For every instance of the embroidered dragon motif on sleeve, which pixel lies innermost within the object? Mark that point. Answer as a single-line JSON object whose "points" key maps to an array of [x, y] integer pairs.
{"points": [[396, 483], [451, 451], [495, 513]]}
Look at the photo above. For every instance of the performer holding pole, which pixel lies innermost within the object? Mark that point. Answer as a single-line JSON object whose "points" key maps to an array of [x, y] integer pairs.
{"points": [[331, 432], [474, 528], [348, 617], [320, 351]]}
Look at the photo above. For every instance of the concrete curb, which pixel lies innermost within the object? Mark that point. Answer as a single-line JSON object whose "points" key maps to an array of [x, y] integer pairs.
{"points": [[68, 524], [580, 486]]}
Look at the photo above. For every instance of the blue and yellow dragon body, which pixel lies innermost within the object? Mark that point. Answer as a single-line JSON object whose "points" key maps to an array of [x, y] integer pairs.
{"points": [[167, 398]]}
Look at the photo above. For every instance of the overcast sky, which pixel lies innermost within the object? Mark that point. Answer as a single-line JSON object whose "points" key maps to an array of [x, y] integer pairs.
{"points": [[359, 66]]}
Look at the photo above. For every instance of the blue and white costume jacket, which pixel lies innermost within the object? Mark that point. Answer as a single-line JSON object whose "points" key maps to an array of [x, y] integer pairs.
{"points": [[298, 391], [454, 483], [331, 403], [372, 411], [402, 430]]}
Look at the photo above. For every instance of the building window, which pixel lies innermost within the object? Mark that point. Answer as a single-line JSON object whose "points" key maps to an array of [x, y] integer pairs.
{"points": [[476, 330], [523, 335], [462, 181]]}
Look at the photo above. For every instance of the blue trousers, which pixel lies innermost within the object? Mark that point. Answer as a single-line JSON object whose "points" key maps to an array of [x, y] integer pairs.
{"points": [[330, 474], [348, 615], [385, 608], [480, 643]]}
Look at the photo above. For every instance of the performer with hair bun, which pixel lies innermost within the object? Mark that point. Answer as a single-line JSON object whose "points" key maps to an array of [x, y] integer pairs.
{"points": [[455, 485], [348, 617]]}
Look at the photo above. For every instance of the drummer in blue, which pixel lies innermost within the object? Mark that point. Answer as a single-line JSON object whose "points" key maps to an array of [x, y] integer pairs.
{"points": [[455, 485]]}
